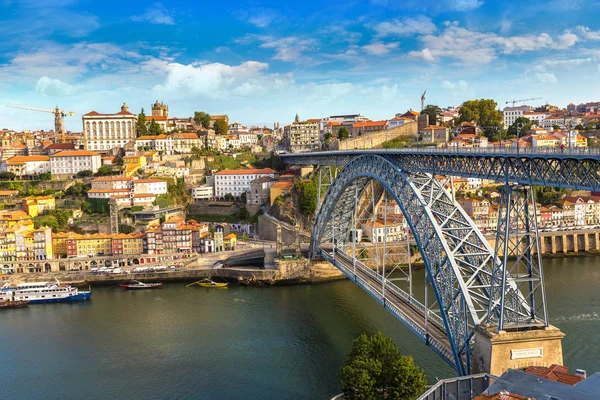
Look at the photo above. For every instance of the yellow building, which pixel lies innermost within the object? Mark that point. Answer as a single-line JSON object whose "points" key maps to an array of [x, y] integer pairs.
{"points": [[133, 163], [59, 244], [230, 241], [34, 206], [133, 244], [279, 189], [95, 245], [11, 218]]}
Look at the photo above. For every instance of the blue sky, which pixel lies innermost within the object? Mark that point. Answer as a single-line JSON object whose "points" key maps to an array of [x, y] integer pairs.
{"points": [[265, 61]]}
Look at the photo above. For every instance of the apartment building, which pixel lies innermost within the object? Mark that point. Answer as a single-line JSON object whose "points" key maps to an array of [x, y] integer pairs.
{"points": [[103, 132], [236, 182]]}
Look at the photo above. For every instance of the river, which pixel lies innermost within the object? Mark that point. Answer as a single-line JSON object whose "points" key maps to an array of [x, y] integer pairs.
{"points": [[253, 343]]}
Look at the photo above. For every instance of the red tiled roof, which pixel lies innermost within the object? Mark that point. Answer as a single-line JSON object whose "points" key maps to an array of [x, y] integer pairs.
{"points": [[156, 118], [370, 123], [556, 373], [246, 171], [25, 159]]}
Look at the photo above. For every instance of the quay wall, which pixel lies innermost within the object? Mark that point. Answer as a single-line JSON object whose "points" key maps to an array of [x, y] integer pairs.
{"points": [[374, 140]]}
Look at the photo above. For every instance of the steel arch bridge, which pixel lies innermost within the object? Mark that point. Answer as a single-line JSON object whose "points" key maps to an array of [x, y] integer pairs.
{"points": [[469, 282]]}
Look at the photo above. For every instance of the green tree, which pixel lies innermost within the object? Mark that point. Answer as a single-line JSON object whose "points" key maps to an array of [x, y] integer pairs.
{"points": [[46, 176], [7, 176], [243, 213], [308, 197], [598, 125], [77, 189], [525, 125], [556, 127], [376, 370], [484, 113], [343, 133], [85, 173], [141, 128], [202, 118], [434, 113], [220, 127], [327, 137], [103, 171], [154, 129], [579, 127], [124, 228]]}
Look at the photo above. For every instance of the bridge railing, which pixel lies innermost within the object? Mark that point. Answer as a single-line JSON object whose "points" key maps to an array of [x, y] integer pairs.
{"points": [[413, 325]]}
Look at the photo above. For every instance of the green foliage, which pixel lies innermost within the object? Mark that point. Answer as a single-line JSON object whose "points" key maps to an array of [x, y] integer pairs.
{"points": [[202, 118], [84, 174], [136, 209], [327, 137], [343, 133], [7, 176], [579, 127], [556, 127], [96, 206], [308, 196], [273, 162], [598, 125], [141, 128], [124, 228], [525, 124], [245, 237], [401, 141], [49, 221], [220, 127], [46, 176], [243, 213], [435, 114], [57, 219], [154, 129], [278, 201], [228, 197], [375, 370], [484, 113], [77, 189], [548, 195], [104, 171]]}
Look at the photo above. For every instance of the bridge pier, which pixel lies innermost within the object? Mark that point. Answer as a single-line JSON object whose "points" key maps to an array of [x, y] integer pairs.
{"points": [[494, 352]]}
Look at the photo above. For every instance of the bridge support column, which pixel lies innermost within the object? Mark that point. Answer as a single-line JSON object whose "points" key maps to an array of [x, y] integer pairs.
{"points": [[565, 244], [586, 242], [553, 244], [494, 352]]}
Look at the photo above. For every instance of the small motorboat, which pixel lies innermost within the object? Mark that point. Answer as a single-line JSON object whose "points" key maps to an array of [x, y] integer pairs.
{"points": [[6, 304], [209, 283], [137, 285]]}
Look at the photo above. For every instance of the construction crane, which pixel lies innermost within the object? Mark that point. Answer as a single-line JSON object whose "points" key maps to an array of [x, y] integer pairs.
{"points": [[522, 100], [423, 100], [59, 118]]}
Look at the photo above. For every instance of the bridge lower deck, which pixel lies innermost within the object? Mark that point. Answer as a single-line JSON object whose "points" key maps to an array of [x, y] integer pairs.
{"points": [[409, 311]]}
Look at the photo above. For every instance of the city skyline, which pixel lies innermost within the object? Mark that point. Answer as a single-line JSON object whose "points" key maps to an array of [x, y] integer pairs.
{"points": [[265, 62]]}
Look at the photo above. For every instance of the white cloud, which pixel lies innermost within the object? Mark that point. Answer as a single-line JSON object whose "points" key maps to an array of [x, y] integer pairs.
{"points": [[467, 5], [55, 87], [431, 5], [289, 49], [588, 34], [420, 25], [156, 14], [262, 17], [379, 49], [425, 54], [546, 77], [460, 86], [470, 47]]}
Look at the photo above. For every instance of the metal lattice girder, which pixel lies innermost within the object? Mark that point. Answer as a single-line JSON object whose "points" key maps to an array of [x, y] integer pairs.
{"points": [[457, 256], [519, 300], [566, 168]]}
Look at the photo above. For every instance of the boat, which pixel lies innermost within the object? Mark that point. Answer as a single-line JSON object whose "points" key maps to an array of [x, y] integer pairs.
{"points": [[6, 304], [137, 285], [43, 292], [208, 283]]}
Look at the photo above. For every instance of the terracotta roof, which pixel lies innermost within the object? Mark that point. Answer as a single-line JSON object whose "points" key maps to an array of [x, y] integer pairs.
{"points": [[111, 179], [156, 118], [75, 153], [556, 373], [185, 136], [246, 171], [138, 195], [312, 120], [434, 127], [8, 192], [25, 159], [370, 123], [108, 191], [283, 184], [60, 146], [147, 181]]}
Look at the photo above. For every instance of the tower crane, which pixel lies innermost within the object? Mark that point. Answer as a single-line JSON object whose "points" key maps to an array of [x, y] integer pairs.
{"points": [[423, 101], [522, 100], [59, 118]]}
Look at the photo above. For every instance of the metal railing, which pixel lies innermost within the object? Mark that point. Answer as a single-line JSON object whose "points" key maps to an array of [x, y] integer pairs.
{"points": [[459, 388]]}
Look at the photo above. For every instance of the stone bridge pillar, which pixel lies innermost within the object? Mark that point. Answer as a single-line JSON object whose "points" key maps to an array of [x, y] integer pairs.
{"points": [[494, 352]]}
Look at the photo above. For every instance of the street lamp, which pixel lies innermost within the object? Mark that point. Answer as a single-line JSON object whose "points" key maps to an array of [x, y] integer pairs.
{"points": [[520, 126]]}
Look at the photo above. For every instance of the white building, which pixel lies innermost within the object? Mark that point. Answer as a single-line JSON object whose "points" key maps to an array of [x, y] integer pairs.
{"points": [[112, 182], [376, 231], [303, 136], [396, 122], [237, 181], [512, 113], [536, 118], [102, 132], [69, 163], [161, 143], [154, 186], [247, 139], [26, 165], [203, 192]]}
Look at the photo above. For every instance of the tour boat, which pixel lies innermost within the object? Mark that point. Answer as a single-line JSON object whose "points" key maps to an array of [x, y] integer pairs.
{"points": [[44, 292], [136, 285], [5, 304], [209, 283]]}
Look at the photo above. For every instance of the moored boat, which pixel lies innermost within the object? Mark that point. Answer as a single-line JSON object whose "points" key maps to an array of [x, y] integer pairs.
{"points": [[136, 285], [6, 304], [44, 292], [209, 283]]}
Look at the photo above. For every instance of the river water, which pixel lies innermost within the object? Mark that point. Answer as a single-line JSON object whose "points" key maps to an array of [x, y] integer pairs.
{"points": [[251, 343]]}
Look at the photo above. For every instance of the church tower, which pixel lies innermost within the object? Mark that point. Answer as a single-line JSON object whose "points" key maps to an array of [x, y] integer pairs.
{"points": [[160, 109]]}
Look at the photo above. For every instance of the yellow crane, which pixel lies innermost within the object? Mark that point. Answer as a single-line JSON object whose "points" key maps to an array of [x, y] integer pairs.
{"points": [[59, 118]]}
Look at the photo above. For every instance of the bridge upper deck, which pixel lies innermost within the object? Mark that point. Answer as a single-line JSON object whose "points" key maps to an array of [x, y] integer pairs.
{"points": [[574, 168]]}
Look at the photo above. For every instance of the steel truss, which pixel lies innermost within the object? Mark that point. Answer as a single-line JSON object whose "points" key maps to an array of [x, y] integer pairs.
{"points": [[458, 259], [523, 304], [566, 169]]}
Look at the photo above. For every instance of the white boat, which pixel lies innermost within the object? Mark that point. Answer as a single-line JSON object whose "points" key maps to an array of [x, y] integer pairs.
{"points": [[136, 285], [43, 292]]}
